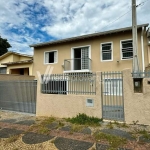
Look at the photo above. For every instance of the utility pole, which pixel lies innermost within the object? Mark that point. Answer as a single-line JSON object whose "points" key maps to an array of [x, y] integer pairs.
{"points": [[134, 37]]}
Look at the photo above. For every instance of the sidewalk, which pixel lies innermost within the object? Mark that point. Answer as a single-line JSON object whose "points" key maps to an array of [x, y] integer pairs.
{"points": [[23, 131]]}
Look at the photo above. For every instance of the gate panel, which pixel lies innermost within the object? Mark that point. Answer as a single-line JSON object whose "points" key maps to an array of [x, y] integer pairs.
{"points": [[112, 96], [18, 96]]}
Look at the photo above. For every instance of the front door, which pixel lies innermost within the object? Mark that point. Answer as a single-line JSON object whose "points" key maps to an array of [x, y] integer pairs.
{"points": [[112, 96]]}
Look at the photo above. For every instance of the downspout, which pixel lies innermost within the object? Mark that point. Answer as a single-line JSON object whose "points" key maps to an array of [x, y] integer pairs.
{"points": [[142, 48], [149, 55]]}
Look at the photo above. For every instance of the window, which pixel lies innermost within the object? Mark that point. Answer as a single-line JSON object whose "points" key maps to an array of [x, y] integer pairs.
{"points": [[113, 87], [127, 49], [81, 58], [3, 70], [106, 51], [50, 57]]}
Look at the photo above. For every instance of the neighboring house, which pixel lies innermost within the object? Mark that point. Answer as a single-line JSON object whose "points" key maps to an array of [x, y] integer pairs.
{"points": [[88, 74], [16, 63]]}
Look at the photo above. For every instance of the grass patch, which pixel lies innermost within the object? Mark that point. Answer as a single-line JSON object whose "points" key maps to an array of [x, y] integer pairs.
{"points": [[145, 134], [47, 121], [120, 125], [60, 124], [83, 119], [12, 139], [77, 128], [43, 130], [114, 141], [110, 125]]}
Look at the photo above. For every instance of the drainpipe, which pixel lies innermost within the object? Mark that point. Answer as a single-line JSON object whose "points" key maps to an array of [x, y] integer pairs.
{"points": [[142, 48], [149, 54]]}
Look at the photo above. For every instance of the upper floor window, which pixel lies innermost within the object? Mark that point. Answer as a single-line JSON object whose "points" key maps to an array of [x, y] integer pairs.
{"points": [[51, 57], [106, 50], [127, 49]]}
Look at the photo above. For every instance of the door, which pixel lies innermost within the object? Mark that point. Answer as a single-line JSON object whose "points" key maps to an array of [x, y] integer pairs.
{"points": [[112, 96]]}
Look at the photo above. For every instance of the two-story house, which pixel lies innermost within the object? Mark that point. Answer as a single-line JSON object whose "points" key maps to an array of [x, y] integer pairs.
{"points": [[104, 51], [70, 85]]}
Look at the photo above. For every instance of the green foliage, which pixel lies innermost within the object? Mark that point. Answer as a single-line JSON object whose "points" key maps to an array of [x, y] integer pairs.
{"points": [[4, 45], [110, 125], [12, 139], [120, 125], [77, 128], [47, 121], [145, 134], [114, 141], [83, 119]]}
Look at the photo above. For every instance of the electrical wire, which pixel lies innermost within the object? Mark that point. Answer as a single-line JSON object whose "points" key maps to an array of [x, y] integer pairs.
{"points": [[141, 4]]}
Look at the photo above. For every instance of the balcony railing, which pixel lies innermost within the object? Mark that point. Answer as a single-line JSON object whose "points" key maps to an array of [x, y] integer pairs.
{"points": [[77, 64]]}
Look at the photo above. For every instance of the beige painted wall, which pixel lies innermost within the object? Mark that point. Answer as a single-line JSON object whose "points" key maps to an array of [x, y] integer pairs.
{"points": [[64, 52], [67, 105], [136, 105], [22, 58], [15, 57], [6, 59], [6, 77]]}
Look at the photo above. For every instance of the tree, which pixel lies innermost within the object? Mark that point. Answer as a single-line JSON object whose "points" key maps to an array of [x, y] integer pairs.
{"points": [[4, 45]]}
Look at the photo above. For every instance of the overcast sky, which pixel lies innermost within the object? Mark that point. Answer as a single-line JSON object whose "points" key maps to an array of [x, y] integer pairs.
{"points": [[25, 22]]}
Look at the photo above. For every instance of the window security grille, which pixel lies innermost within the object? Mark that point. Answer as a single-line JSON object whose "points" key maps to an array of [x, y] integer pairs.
{"points": [[3, 70], [107, 51], [127, 49], [85, 56]]}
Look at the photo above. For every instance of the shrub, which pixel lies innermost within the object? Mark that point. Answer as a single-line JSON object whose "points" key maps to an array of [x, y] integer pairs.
{"points": [[83, 119]]}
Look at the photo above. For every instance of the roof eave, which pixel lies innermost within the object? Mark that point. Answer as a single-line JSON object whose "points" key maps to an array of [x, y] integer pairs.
{"points": [[86, 36], [15, 63]]}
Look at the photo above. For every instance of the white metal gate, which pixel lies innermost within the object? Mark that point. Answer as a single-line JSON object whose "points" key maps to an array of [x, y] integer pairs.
{"points": [[112, 96]]}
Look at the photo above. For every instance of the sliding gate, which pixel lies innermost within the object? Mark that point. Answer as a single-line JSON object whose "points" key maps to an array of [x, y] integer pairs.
{"points": [[18, 96], [112, 96]]}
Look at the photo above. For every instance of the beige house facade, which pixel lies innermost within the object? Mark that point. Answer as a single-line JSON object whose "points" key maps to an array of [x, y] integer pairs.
{"points": [[16, 64], [105, 51], [92, 74]]}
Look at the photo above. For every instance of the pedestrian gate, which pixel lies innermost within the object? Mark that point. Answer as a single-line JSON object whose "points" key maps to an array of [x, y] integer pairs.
{"points": [[18, 96], [112, 96]]}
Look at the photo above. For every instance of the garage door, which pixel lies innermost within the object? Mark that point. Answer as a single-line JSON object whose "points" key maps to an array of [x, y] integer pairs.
{"points": [[18, 96]]}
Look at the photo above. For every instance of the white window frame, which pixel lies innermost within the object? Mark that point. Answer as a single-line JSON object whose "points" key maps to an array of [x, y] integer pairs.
{"points": [[101, 56], [50, 52], [111, 92], [72, 50], [72, 53], [121, 48]]}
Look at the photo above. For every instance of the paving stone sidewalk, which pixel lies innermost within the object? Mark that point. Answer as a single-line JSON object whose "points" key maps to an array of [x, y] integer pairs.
{"points": [[62, 136]]}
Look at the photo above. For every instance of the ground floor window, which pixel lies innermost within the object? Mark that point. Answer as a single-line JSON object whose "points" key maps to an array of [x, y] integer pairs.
{"points": [[3, 70]]}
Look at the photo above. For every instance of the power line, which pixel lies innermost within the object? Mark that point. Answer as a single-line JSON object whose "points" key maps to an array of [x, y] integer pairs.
{"points": [[117, 18], [141, 4]]}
